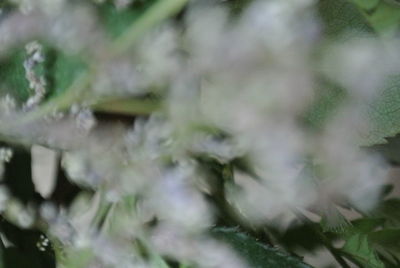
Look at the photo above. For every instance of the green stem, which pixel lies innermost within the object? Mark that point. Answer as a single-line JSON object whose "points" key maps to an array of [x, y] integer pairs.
{"points": [[157, 13], [127, 106], [102, 211]]}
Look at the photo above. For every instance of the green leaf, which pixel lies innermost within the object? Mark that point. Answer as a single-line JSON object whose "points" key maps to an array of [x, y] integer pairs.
{"points": [[387, 243], [359, 248], [384, 113], [12, 76], [117, 21], [77, 258], [387, 238], [390, 211], [334, 222], [341, 17], [347, 229], [342, 20], [63, 70], [58, 69], [366, 4], [367, 225], [327, 101], [385, 19], [383, 16], [256, 254]]}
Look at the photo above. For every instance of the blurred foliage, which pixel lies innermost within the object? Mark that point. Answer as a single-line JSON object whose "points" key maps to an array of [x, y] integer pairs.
{"points": [[371, 241], [344, 20]]}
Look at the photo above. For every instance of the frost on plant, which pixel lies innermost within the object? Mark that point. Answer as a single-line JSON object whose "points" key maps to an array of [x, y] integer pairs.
{"points": [[196, 133], [36, 83]]}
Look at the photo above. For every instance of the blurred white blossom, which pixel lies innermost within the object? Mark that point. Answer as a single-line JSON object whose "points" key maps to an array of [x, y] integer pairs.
{"points": [[230, 89]]}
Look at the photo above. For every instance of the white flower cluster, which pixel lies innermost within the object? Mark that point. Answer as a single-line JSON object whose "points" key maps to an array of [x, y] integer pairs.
{"points": [[5, 157], [231, 88]]}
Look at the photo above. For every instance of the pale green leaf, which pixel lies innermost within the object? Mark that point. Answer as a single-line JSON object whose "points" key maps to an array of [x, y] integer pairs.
{"points": [[256, 254], [366, 4], [359, 248], [385, 19], [343, 20]]}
